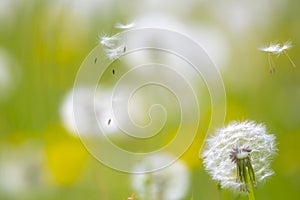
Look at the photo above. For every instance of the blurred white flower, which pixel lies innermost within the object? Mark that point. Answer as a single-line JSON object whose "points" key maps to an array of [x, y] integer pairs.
{"points": [[245, 17], [5, 75], [8, 8], [212, 39], [93, 112], [86, 9], [21, 168], [277, 49], [9, 72], [239, 143], [178, 8], [168, 183]]}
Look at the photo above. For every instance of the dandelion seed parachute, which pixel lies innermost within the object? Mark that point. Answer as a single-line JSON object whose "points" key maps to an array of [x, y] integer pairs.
{"points": [[272, 48], [277, 49], [125, 26], [109, 41], [113, 46], [115, 53]]}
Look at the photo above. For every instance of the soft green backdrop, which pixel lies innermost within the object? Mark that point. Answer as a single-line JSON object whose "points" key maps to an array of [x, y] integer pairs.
{"points": [[46, 41]]}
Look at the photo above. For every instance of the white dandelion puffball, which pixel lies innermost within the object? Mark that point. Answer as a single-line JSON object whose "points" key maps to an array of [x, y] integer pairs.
{"points": [[246, 139], [21, 168], [10, 72], [171, 182]]}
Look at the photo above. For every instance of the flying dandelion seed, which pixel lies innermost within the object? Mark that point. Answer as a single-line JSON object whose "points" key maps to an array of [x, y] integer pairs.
{"points": [[109, 121], [271, 49], [124, 26], [277, 49], [109, 41], [113, 46], [115, 53]]}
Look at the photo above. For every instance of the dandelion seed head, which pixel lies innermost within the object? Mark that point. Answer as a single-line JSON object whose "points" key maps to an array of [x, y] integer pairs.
{"points": [[237, 141]]}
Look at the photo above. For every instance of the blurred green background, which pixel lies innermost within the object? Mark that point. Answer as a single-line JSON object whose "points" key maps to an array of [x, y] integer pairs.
{"points": [[43, 43]]}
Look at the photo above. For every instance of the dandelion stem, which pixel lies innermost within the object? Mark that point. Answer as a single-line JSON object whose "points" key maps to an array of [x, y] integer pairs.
{"points": [[250, 186]]}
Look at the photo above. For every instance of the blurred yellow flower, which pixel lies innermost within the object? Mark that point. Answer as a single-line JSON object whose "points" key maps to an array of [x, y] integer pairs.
{"points": [[66, 158]]}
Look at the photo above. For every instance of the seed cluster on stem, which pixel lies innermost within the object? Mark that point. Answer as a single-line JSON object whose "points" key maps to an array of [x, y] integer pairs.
{"points": [[239, 155]]}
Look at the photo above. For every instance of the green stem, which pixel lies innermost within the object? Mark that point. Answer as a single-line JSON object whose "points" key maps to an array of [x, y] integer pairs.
{"points": [[250, 186]]}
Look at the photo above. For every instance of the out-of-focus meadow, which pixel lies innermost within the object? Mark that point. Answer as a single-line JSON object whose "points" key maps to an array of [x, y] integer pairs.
{"points": [[43, 43]]}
